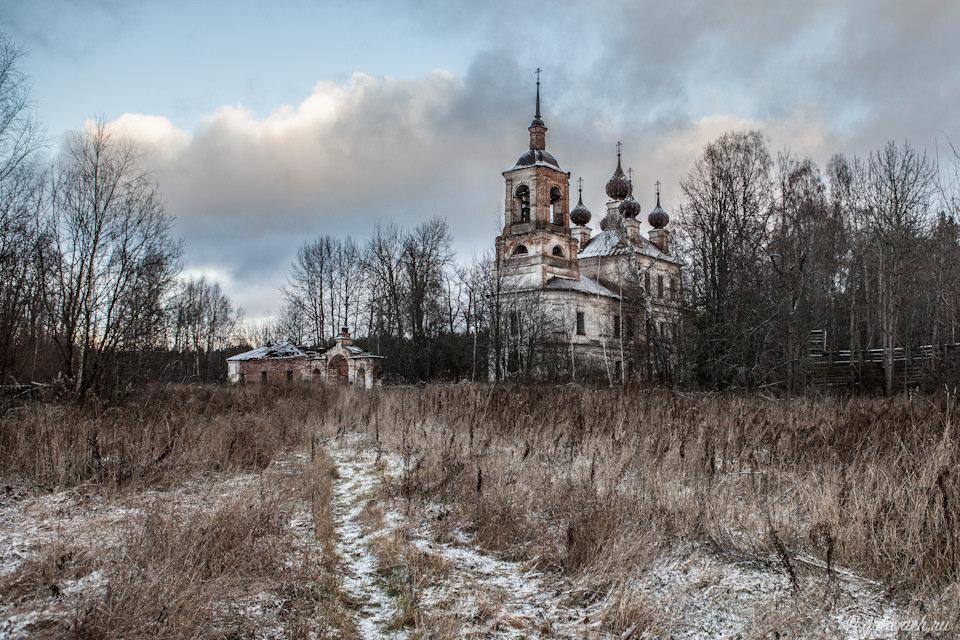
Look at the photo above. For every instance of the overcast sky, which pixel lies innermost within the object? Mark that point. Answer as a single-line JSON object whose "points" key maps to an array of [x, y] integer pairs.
{"points": [[268, 124]]}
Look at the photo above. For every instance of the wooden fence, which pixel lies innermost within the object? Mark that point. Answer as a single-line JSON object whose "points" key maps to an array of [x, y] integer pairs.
{"points": [[920, 367]]}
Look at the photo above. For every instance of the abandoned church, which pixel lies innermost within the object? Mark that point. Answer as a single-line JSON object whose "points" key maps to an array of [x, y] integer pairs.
{"points": [[577, 305], [343, 363]]}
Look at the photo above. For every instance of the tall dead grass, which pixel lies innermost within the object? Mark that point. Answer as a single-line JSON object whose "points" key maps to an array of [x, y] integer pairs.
{"points": [[592, 482], [232, 546], [160, 435]]}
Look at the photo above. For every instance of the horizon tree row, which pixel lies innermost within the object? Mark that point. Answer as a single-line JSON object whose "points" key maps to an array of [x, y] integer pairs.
{"points": [[870, 254]]}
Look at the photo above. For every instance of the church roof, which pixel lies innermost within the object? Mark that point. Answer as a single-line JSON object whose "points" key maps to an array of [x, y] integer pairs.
{"points": [[583, 285], [607, 243], [537, 158]]}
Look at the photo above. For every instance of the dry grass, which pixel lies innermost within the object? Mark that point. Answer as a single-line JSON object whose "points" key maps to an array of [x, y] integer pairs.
{"points": [[592, 482], [222, 530], [157, 437], [593, 485]]}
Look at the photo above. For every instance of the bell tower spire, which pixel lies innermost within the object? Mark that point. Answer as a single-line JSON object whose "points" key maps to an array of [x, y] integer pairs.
{"points": [[537, 243], [538, 129]]}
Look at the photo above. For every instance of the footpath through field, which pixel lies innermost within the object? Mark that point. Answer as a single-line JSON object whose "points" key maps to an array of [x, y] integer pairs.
{"points": [[403, 580], [458, 590]]}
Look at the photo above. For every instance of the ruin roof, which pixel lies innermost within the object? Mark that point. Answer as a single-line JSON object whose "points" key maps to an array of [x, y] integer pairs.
{"points": [[281, 350]]}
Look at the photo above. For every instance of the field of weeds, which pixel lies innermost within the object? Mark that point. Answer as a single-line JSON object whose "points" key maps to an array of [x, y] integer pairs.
{"points": [[478, 511]]}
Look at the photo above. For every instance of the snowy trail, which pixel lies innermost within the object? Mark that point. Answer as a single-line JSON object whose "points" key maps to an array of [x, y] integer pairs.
{"points": [[500, 599], [485, 596], [356, 484], [690, 594]]}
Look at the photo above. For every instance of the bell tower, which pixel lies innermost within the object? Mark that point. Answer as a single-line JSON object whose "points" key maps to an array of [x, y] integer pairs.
{"points": [[536, 243]]}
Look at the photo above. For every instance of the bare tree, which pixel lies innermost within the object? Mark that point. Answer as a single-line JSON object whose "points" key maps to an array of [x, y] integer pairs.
{"points": [[387, 279], [20, 201], [204, 320], [425, 258], [309, 287], [723, 219], [897, 197], [113, 258]]}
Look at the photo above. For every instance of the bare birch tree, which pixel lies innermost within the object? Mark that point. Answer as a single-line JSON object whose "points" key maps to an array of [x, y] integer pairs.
{"points": [[113, 260]]}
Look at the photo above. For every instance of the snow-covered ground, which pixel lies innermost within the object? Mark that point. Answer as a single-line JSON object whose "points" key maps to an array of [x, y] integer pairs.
{"points": [[687, 592], [357, 483]]}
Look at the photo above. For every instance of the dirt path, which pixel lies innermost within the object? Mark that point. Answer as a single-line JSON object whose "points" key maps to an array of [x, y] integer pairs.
{"points": [[355, 486], [456, 590], [473, 594]]}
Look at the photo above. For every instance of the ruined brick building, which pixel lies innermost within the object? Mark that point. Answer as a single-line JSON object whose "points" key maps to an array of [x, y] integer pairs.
{"points": [[576, 304], [342, 364]]}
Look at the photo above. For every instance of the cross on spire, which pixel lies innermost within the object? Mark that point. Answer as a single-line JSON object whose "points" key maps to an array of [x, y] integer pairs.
{"points": [[630, 174], [580, 184], [538, 94], [619, 146], [657, 184]]}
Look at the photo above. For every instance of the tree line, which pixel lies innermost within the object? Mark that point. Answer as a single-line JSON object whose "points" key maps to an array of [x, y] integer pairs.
{"points": [[91, 293], [89, 265], [401, 291], [867, 249]]}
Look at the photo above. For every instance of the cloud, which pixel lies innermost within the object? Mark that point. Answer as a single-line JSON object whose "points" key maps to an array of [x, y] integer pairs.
{"points": [[665, 78]]}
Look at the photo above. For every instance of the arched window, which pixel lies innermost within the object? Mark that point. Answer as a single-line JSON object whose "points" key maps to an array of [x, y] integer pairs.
{"points": [[557, 251], [521, 250], [555, 196], [523, 195]]}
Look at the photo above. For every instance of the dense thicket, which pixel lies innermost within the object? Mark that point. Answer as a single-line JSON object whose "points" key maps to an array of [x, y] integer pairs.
{"points": [[774, 250]]}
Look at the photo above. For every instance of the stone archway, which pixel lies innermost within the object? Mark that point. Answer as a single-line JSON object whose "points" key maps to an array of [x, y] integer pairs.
{"points": [[361, 378], [338, 370]]}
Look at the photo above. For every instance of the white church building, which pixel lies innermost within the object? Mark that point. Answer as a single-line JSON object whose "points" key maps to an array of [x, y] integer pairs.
{"points": [[574, 304]]}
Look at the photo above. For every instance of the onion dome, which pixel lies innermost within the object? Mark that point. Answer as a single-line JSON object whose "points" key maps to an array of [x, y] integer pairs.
{"points": [[658, 218], [630, 208], [611, 221], [618, 187], [580, 215]]}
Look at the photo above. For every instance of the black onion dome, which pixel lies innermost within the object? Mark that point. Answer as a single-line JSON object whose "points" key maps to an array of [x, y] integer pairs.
{"points": [[630, 208], [658, 218], [618, 187], [537, 156], [580, 215]]}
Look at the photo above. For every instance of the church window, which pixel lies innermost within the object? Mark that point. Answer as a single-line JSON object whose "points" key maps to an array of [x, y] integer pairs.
{"points": [[629, 327], [616, 326], [521, 250], [581, 324], [646, 283], [555, 196], [557, 251], [263, 377], [514, 323], [674, 294], [523, 196], [659, 286]]}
